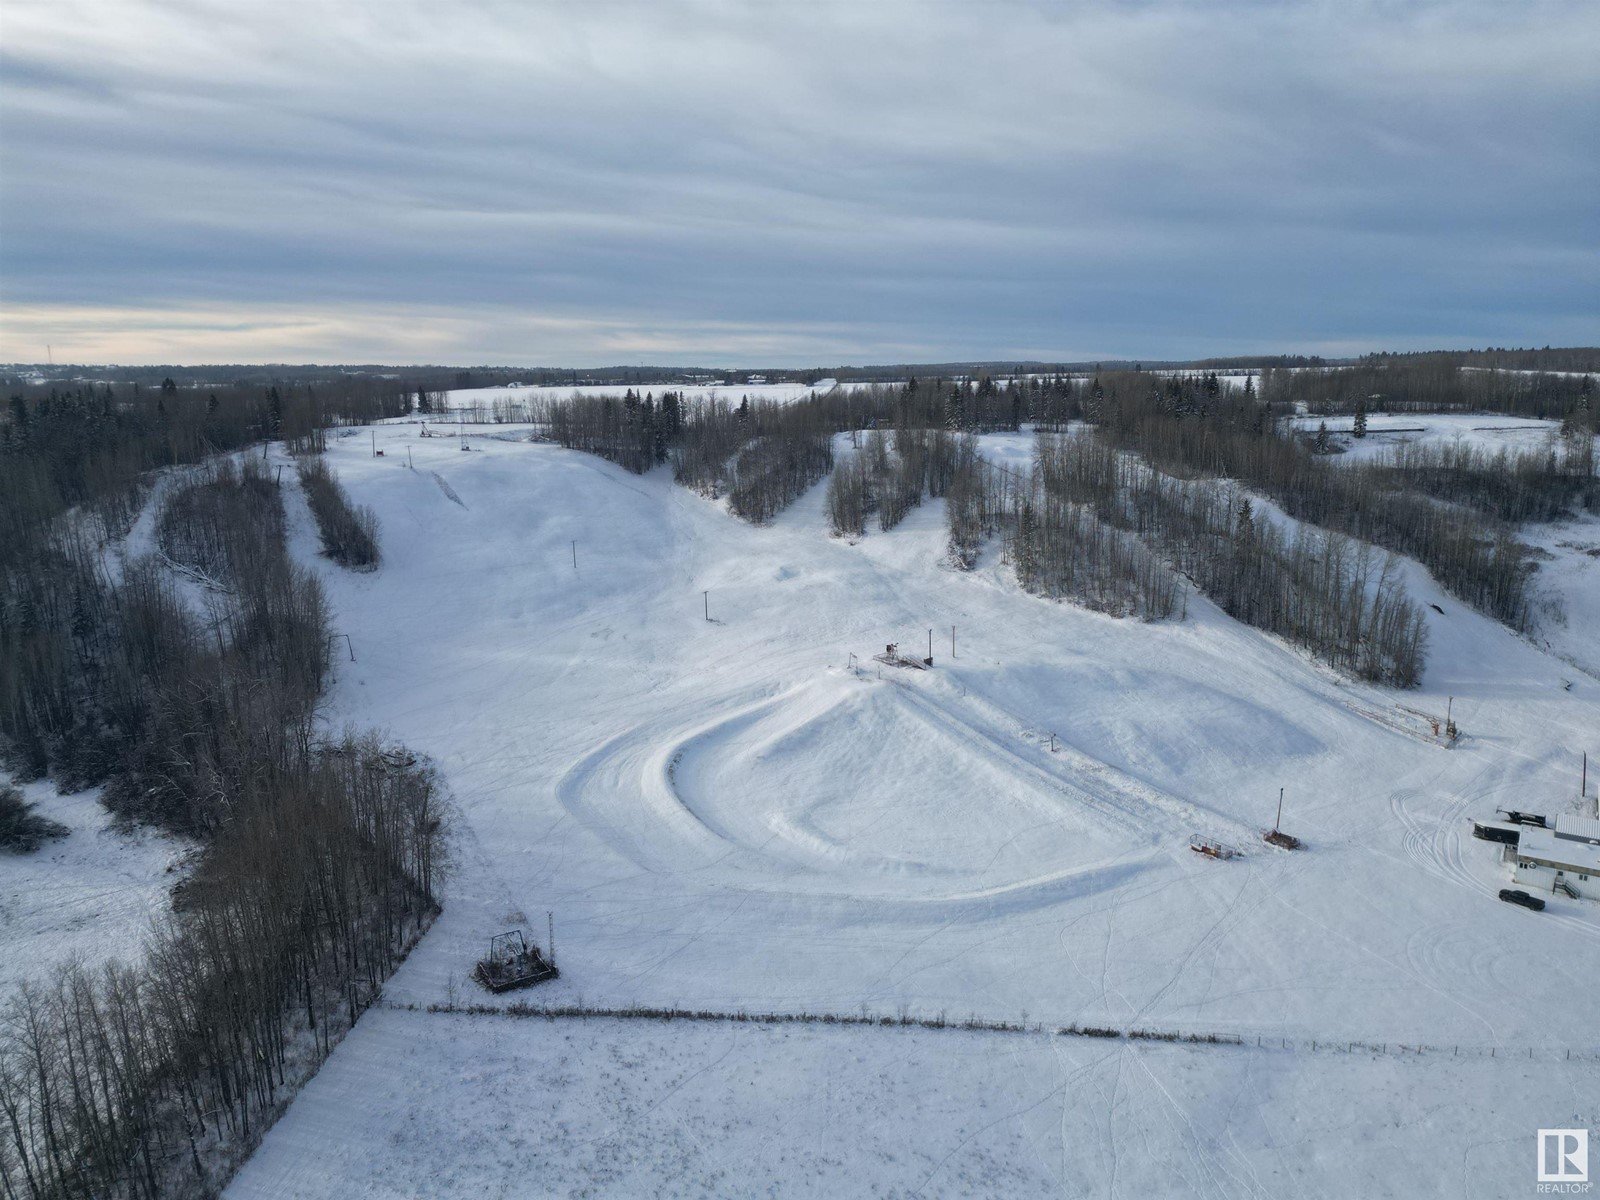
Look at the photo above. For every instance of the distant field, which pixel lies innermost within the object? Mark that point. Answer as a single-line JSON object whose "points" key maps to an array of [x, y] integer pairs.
{"points": [[1386, 430]]}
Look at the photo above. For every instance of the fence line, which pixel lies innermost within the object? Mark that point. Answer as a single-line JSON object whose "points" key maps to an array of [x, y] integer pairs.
{"points": [[976, 1024]]}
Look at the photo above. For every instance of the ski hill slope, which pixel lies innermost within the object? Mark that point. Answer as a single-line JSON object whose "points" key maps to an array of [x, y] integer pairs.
{"points": [[735, 814]]}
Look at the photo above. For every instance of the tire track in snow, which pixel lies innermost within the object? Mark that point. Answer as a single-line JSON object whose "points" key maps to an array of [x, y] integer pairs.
{"points": [[668, 832]]}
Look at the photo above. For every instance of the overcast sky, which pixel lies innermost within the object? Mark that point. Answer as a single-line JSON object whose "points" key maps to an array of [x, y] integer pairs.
{"points": [[787, 182]]}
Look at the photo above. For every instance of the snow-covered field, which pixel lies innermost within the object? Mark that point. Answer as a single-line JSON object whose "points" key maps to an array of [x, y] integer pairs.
{"points": [[1490, 431], [89, 896], [727, 814], [415, 1104]]}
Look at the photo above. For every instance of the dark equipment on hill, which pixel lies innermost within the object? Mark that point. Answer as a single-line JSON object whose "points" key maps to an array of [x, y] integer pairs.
{"points": [[1523, 818], [513, 963], [1494, 831]]}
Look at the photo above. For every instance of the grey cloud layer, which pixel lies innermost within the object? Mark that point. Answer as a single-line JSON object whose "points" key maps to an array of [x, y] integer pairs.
{"points": [[845, 181]]}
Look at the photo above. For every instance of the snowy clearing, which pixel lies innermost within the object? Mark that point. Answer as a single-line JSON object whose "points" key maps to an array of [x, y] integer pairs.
{"points": [[89, 896], [732, 813], [415, 1104], [1490, 431]]}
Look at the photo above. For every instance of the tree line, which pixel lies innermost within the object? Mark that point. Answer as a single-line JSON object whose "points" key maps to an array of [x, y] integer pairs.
{"points": [[762, 454], [349, 531], [197, 713], [156, 1079], [891, 482], [1102, 528], [1185, 431], [1434, 383]]}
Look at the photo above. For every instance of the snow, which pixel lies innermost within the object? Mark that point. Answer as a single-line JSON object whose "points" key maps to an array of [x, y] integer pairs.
{"points": [[1569, 587], [419, 1104], [727, 814], [90, 896], [1491, 431]]}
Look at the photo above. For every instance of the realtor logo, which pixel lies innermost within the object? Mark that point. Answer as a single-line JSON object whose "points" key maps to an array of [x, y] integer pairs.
{"points": [[1563, 1156]]}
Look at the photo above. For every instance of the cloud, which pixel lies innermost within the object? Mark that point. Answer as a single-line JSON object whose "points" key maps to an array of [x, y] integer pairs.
{"points": [[820, 182]]}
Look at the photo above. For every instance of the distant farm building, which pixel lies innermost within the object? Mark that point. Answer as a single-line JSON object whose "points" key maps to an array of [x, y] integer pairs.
{"points": [[1565, 856]]}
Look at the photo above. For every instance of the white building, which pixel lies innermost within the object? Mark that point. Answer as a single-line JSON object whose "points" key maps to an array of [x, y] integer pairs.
{"points": [[1567, 853]]}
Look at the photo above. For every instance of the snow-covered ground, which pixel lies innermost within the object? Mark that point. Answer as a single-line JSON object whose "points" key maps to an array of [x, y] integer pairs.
{"points": [[1569, 576], [418, 1104], [1491, 431], [89, 896], [727, 814]]}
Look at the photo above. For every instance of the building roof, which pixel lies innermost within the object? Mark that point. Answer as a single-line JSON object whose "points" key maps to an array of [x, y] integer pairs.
{"points": [[1578, 829], [1548, 847]]}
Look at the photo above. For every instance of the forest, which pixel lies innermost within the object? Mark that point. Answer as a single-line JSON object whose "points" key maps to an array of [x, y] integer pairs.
{"points": [[320, 857]]}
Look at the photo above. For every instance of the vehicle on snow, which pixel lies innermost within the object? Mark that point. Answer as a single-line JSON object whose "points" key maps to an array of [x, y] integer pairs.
{"points": [[1517, 896]]}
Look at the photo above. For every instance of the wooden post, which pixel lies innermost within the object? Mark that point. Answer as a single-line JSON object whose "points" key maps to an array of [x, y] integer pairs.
{"points": [[550, 925], [409, 463], [374, 443], [574, 556], [1278, 820], [952, 641], [706, 596], [930, 647]]}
